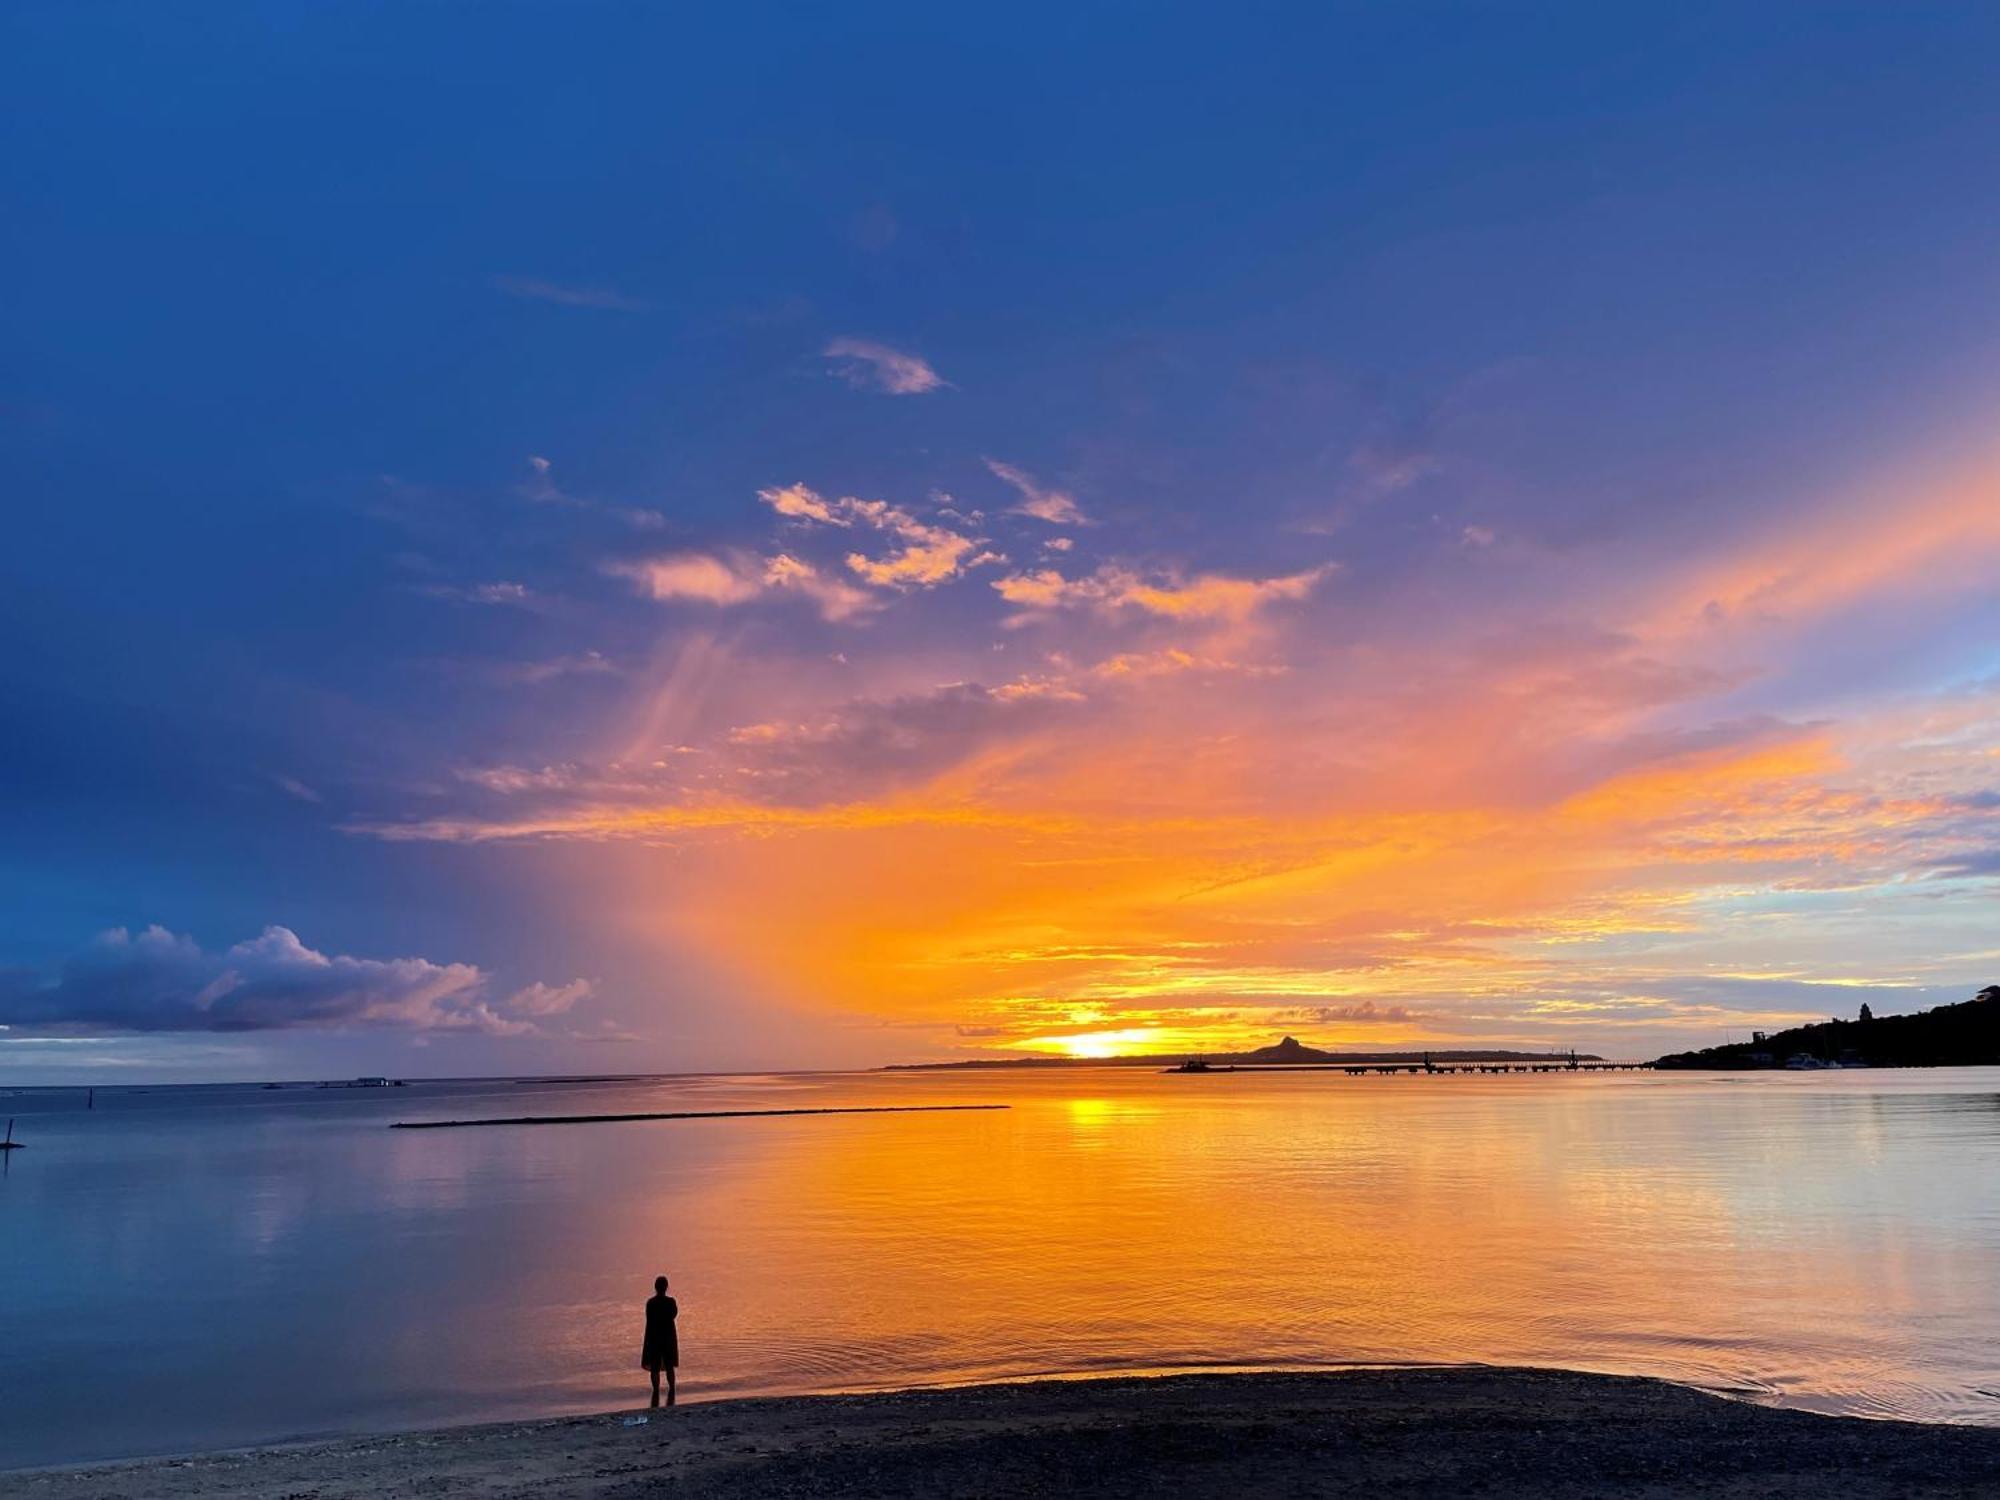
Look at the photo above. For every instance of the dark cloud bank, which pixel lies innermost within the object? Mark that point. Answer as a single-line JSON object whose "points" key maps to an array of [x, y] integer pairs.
{"points": [[156, 981]]}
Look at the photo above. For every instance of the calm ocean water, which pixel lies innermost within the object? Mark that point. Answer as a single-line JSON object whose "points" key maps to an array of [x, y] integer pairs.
{"points": [[185, 1268]]}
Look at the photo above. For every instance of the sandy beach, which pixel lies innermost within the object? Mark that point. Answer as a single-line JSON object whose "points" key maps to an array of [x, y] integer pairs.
{"points": [[1488, 1432]]}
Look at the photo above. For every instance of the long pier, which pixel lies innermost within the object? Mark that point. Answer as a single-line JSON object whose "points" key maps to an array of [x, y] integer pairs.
{"points": [[1359, 1070], [1355, 1070], [691, 1114]]}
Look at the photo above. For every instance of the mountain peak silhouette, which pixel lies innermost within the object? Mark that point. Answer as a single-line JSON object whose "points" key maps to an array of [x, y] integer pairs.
{"points": [[1291, 1049]]}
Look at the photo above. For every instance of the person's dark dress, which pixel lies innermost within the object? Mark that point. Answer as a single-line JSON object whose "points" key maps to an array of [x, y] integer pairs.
{"points": [[663, 1345]]}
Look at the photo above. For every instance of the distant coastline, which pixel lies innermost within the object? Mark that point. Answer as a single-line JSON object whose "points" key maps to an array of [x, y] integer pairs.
{"points": [[1964, 1035], [1287, 1053]]}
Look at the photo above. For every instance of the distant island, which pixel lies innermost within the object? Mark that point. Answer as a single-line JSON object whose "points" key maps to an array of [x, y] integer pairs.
{"points": [[1962, 1035], [1289, 1052]]}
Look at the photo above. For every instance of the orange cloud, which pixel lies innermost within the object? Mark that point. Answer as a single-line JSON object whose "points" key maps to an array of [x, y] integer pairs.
{"points": [[929, 554], [1205, 596]]}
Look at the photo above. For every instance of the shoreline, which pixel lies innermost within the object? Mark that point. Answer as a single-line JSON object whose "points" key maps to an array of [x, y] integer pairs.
{"points": [[1409, 1431]]}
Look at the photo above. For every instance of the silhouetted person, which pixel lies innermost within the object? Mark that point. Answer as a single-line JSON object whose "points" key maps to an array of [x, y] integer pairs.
{"points": [[662, 1353]]}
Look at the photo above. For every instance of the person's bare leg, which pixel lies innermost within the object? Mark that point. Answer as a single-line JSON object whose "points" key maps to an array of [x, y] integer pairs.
{"points": [[670, 1387], [656, 1386]]}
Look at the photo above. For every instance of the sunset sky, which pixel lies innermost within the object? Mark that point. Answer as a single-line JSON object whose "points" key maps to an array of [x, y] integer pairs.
{"points": [[611, 538]]}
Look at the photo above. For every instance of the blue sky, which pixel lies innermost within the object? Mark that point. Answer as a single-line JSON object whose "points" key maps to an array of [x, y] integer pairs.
{"points": [[372, 374]]}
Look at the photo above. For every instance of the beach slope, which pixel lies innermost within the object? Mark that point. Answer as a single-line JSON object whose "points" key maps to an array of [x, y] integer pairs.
{"points": [[1501, 1433]]}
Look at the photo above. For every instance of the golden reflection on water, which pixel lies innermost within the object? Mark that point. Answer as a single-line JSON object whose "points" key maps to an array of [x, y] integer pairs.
{"points": [[1163, 1222], [1823, 1240]]}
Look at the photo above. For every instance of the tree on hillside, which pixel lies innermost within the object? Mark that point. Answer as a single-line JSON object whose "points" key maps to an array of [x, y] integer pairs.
{"points": [[1866, 1013]]}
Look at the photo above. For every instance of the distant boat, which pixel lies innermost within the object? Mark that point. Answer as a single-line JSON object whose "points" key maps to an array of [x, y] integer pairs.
{"points": [[1805, 1062], [1198, 1065], [10, 1144]]}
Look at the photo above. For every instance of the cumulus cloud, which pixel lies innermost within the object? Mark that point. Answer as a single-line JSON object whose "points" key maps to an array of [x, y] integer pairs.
{"points": [[1053, 506], [739, 578], [157, 981], [866, 365], [563, 295], [1201, 596]]}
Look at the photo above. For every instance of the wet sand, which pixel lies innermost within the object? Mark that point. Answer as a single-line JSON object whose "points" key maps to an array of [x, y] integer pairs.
{"points": [[1483, 1432]]}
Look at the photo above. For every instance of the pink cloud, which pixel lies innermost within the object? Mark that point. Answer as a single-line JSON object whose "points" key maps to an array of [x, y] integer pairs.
{"points": [[694, 575], [1054, 506], [739, 578], [866, 365], [800, 503]]}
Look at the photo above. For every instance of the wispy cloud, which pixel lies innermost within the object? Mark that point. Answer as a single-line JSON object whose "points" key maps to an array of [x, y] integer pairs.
{"points": [[1044, 504], [501, 591], [731, 578], [836, 600], [551, 668], [1200, 596], [541, 487], [564, 294], [157, 981], [796, 502], [865, 746], [696, 575], [539, 999], [866, 365]]}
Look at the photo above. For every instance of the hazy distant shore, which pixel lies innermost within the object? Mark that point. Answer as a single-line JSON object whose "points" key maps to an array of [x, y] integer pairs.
{"points": [[1287, 1053], [1494, 1432]]}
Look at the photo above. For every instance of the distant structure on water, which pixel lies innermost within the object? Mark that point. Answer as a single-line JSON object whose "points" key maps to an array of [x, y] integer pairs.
{"points": [[1290, 1052]]}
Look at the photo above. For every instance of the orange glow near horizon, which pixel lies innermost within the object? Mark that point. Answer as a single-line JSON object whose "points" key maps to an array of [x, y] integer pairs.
{"points": [[1567, 835]]}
